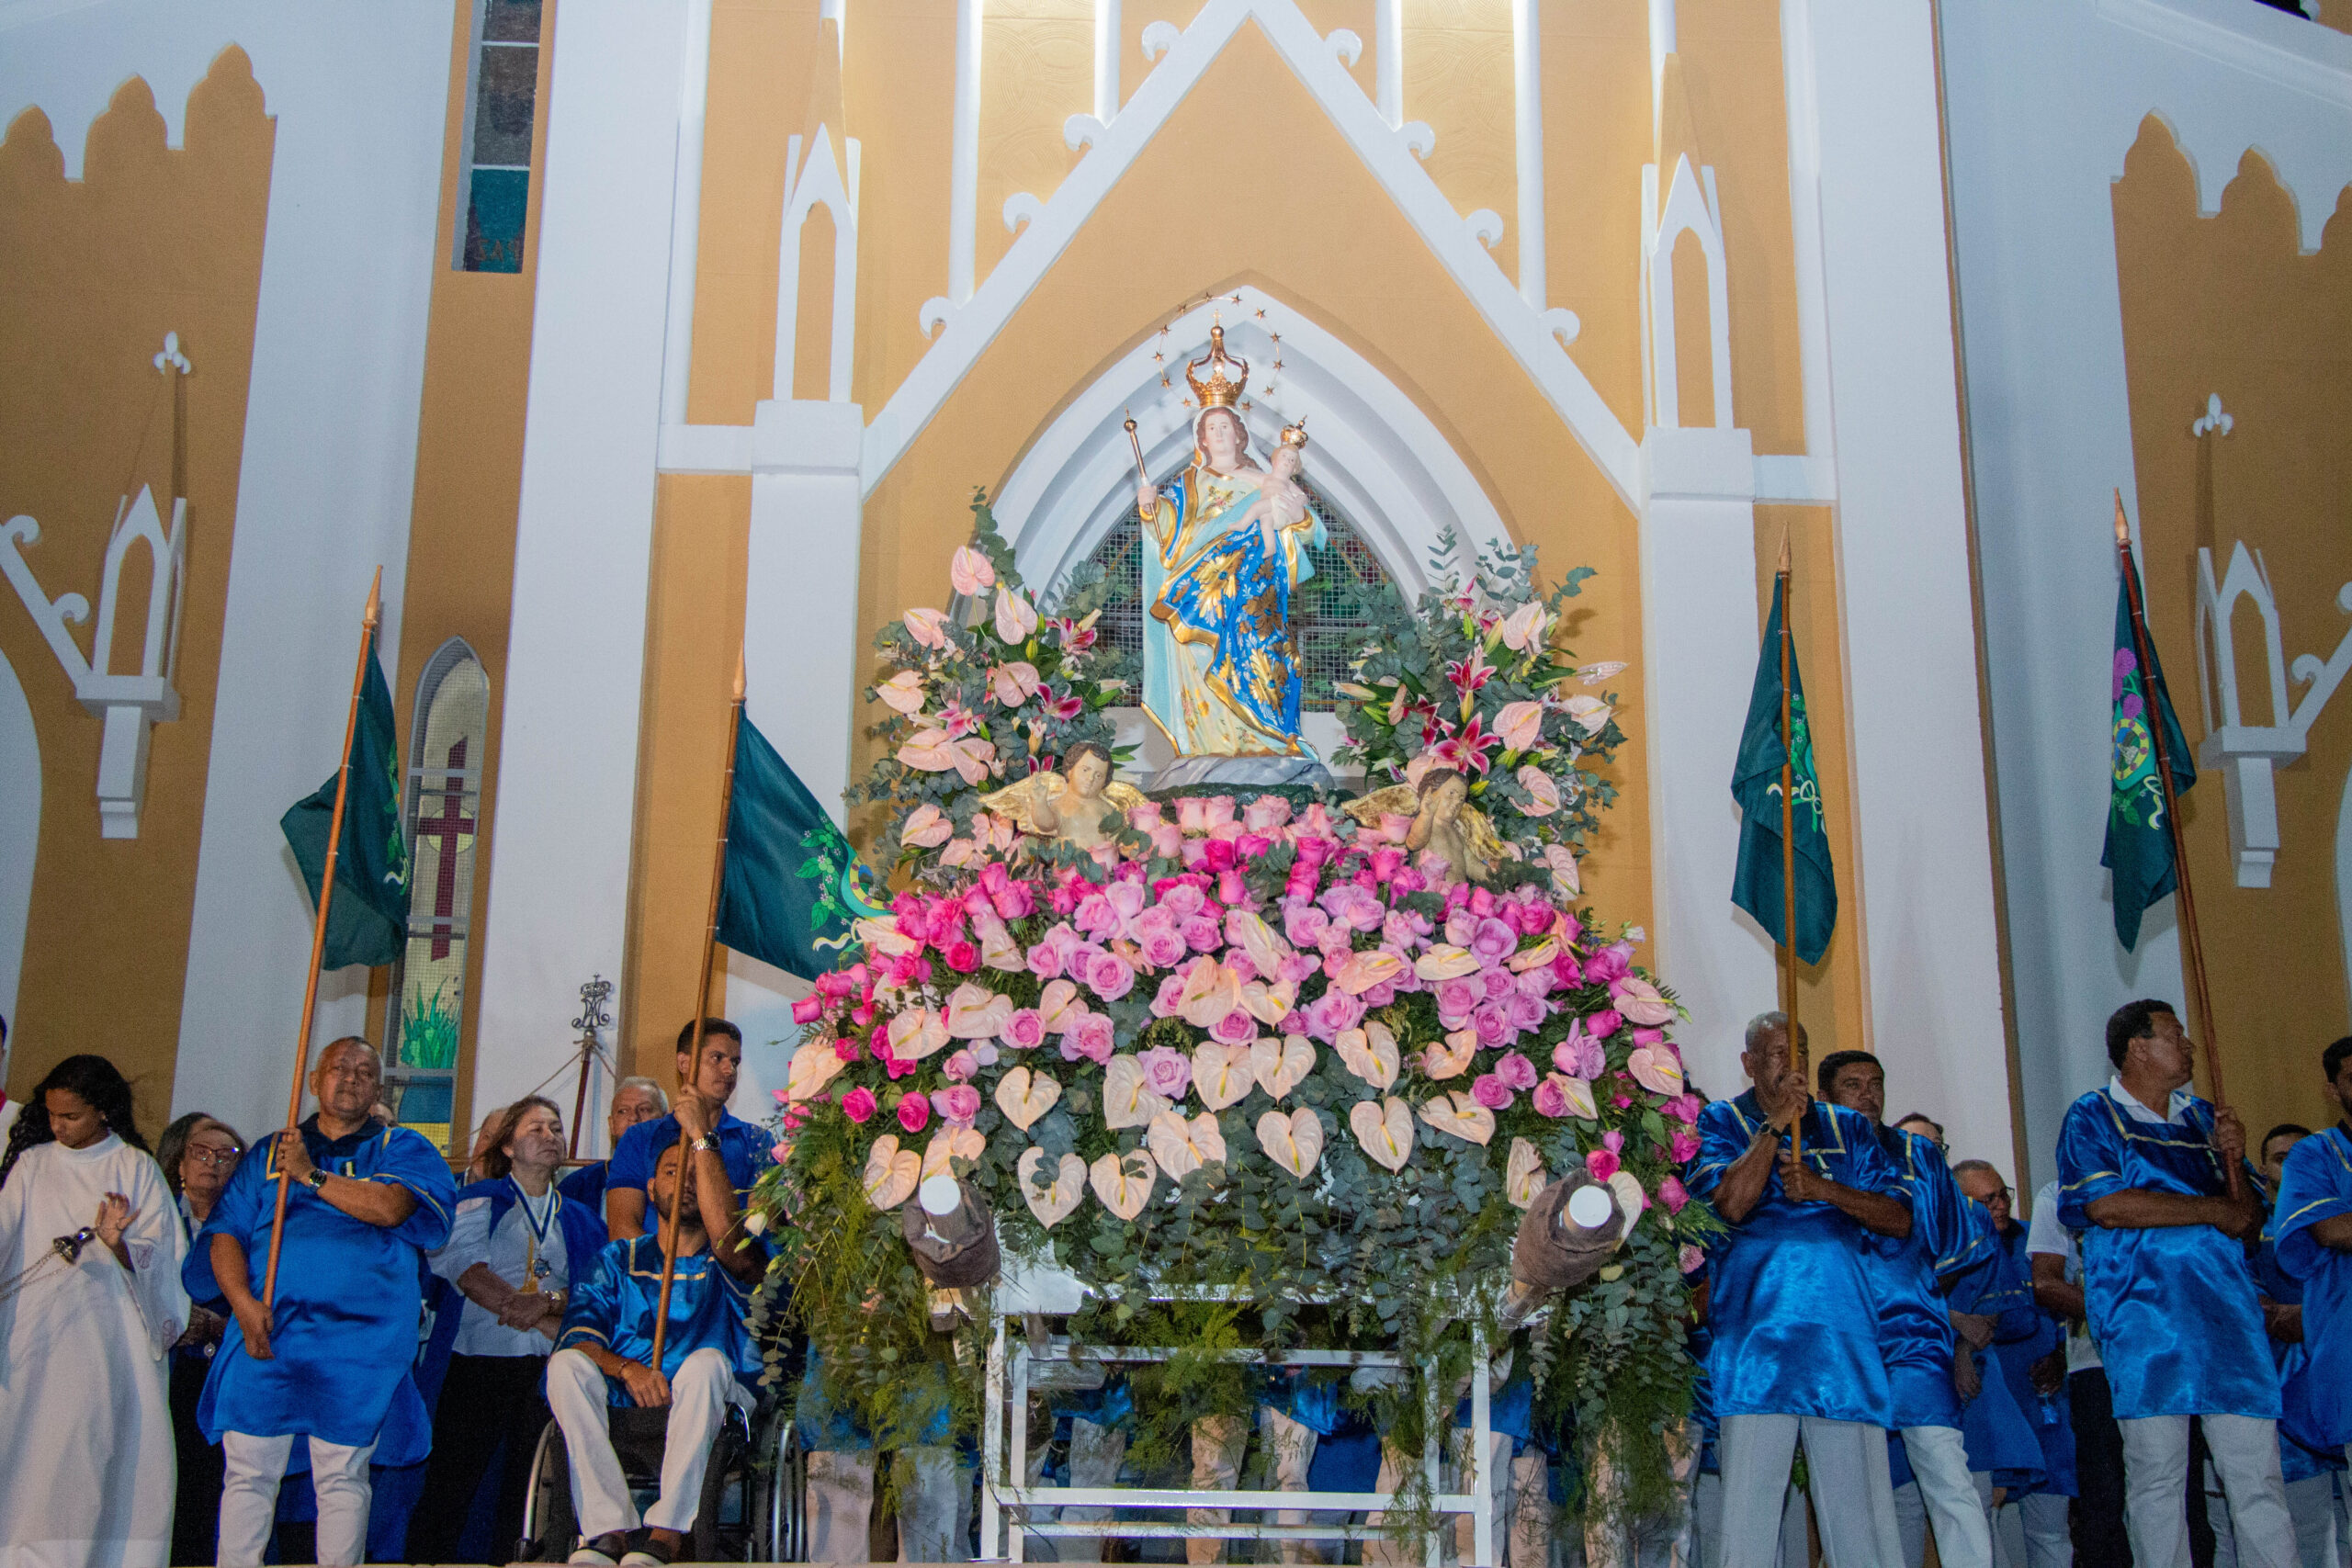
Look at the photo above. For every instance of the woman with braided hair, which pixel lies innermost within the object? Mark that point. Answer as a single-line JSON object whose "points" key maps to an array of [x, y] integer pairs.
{"points": [[90, 1302]]}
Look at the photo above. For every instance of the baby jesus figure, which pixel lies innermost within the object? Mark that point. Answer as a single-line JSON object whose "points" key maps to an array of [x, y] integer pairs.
{"points": [[1281, 499]]}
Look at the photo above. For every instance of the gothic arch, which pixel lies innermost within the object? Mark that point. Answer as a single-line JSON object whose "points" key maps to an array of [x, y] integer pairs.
{"points": [[1373, 452]]}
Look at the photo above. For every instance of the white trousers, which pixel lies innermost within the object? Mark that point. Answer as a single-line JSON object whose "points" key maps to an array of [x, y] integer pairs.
{"points": [[600, 1500], [2156, 1478], [934, 1511], [249, 1498], [1847, 1462], [1942, 1490], [2032, 1532], [1705, 1549]]}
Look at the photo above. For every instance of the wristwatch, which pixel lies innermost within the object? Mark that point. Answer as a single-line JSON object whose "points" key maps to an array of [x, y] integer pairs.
{"points": [[315, 1179], [703, 1146]]}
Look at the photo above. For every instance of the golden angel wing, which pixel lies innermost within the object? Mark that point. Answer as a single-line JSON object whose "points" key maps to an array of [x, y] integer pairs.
{"points": [[1484, 842], [1125, 797], [1397, 800], [1017, 802]]}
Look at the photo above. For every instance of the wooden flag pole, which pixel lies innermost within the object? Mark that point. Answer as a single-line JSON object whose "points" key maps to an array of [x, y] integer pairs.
{"points": [[2201, 995], [319, 931], [687, 1187], [1789, 842]]}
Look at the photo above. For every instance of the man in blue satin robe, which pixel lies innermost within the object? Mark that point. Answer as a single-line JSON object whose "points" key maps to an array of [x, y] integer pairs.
{"points": [[1796, 1351], [604, 1355], [2312, 1225], [2029, 1353], [1915, 1327], [2156, 1178], [329, 1361], [707, 1073]]}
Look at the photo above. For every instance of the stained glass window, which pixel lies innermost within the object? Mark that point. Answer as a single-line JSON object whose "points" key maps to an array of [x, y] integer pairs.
{"points": [[502, 99], [443, 813], [1329, 612]]}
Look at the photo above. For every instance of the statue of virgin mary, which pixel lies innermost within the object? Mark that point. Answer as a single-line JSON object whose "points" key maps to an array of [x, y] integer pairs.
{"points": [[1224, 548]]}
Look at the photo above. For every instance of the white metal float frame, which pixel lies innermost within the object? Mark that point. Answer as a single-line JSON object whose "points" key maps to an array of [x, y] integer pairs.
{"points": [[1005, 1502]]}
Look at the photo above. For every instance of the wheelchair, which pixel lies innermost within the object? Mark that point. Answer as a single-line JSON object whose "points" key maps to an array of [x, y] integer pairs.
{"points": [[752, 1492]]}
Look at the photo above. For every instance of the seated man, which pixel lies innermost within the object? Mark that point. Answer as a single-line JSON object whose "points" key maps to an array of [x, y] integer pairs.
{"points": [[605, 1357]]}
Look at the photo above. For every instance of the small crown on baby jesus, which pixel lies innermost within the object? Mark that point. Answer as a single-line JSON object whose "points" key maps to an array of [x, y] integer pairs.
{"points": [[1296, 434]]}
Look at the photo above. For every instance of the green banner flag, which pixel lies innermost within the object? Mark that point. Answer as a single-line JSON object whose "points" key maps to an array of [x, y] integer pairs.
{"points": [[2139, 841], [369, 918], [789, 890], [1756, 784]]}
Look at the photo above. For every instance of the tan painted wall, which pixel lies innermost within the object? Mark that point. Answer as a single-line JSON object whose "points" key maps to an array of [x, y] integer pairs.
{"points": [[460, 574], [94, 272], [2228, 304]]}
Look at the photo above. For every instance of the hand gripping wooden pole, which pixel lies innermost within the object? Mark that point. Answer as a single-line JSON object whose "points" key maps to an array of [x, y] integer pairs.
{"points": [[1789, 840], [319, 931], [686, 1191], [2201, 995]]}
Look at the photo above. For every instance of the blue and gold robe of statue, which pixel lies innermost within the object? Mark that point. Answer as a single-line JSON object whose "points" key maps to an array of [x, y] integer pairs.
{"points": [[2173, 1309], [1219, 673], [1915, 1336], [1794, 1325], [2317, 1185], [350, 1297], [613, 1306]]}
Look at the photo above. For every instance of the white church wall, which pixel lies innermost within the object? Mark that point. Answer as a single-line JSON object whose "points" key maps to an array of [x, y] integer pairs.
{"points": [[358, 95], [19, 830], [1923, 874], [568, 759], [2046, 96]]}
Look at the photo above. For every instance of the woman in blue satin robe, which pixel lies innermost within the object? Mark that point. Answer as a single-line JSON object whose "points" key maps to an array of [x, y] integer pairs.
{"points": [[1795, 1329], [2173, 1308], [2316, 1186]]}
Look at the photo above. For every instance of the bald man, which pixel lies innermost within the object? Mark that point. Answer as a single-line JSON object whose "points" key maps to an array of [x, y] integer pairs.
{"points": [[328, 1361]]}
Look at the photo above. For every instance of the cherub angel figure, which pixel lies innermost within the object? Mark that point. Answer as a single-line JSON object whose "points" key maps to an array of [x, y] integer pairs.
{"points": [[1086, 808], [1444, 823]]}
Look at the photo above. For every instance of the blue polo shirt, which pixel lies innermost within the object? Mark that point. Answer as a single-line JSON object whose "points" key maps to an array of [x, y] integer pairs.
{"points": [[743, 1148]]}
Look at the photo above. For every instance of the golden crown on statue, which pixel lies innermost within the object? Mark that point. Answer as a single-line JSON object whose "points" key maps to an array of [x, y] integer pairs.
{"points": [[1220, 390], [1296, 434]]}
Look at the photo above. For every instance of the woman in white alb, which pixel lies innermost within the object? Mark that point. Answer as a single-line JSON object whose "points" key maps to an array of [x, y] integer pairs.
{"points": [[90, 1301]]}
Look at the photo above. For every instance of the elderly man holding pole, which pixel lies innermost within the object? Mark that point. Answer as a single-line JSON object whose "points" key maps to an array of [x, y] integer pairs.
{"points": [[326, 1356], [2155, 1178], [1796, 1345]]}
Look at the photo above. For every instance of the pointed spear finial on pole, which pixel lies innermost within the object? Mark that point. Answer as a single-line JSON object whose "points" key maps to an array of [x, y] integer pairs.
{"points": [[374, 615], [2122, 525]]}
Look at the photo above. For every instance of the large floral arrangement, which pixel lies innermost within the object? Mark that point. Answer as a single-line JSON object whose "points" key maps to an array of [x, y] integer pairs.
{"points": [[986, 692], [1253, 1046], [1470, 679]]}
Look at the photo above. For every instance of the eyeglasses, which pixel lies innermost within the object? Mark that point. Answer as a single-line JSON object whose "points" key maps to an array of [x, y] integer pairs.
{"points": [[219, 1159]]}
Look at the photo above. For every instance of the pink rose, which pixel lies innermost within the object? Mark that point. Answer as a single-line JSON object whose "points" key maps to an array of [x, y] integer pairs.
{"points": [[1490, 1092], [858, 1104], [1493, 1028], [1026, 1030], [1671, 1192], [1167, 1072], [1610, 964], [1497, 984], [914, 1113], [1303, 924], [1602, 1162], [960, 1104], [1044, 961], [1333, 1013], [1098, 918], [1682, 1108], [1456, 1000], [1549, 1100], [1524, 1011], [1184, 900], [1091, 1038], [1683, 1146], [1580, 1055], [1516, 1071], [1162, 948], [961, 1067], [962, 957], [1202, 934], [1110, 977], [1602, 1024], [1236, 1028]]}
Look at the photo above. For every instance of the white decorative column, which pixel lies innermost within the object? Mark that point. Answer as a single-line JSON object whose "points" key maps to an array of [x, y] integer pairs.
{"points": [[1923, 842], [568, 750], [1699, 645]]}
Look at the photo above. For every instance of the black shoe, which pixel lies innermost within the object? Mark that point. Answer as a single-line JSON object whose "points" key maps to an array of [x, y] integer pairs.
{"points": [[603, 1552], [645, 1552]]}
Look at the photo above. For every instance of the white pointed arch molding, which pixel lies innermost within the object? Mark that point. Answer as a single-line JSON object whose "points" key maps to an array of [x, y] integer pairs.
{"points": [[1372, 451]]}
